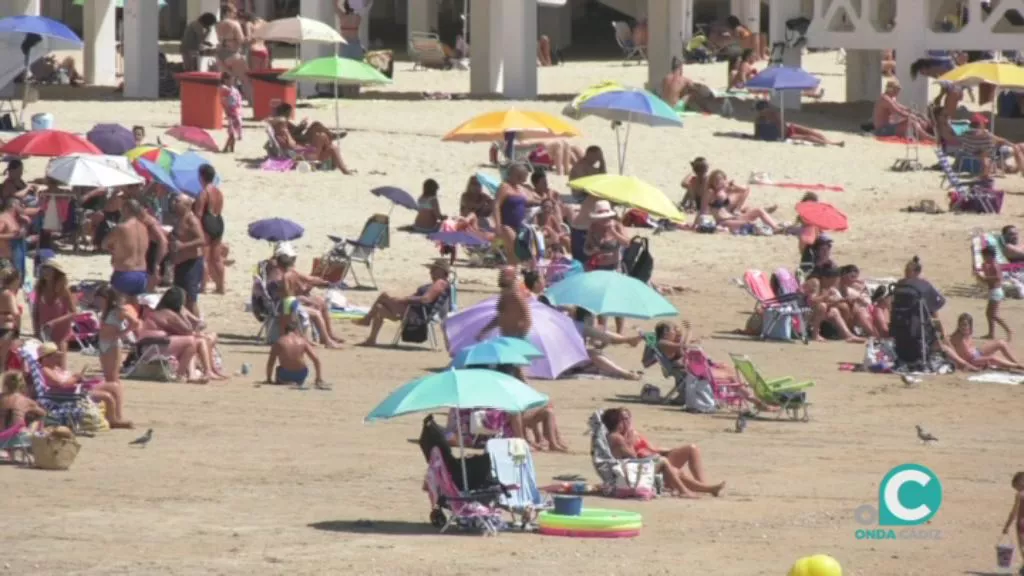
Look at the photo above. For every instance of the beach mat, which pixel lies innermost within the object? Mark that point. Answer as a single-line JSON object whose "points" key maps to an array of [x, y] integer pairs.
{"points": [[998, 378], [799, 186], [905, 141]]}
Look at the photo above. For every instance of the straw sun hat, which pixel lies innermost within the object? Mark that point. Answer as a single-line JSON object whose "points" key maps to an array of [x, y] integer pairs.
{"points": [[602, 210]]}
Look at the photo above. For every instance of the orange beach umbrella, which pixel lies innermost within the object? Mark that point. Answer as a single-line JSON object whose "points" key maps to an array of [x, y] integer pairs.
{"points": [[525, 124]]}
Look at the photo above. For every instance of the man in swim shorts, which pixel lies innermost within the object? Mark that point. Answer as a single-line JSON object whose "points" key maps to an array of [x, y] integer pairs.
{"points": [[127, 244], [156, 250], [290, 352], [189, 244]]}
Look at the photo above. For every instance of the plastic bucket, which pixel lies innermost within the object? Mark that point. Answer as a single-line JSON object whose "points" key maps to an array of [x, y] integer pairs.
{"points": [[1004, 555], [568, 505], [42, 121]]}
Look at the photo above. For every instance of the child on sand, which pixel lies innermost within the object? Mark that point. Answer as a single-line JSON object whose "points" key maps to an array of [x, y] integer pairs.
{"points": [[993, 278], [290, 350], [231, 100], [1017, 512]]}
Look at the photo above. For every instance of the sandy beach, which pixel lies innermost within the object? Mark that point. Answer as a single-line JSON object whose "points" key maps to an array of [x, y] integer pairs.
{"points": [[242, 479]]}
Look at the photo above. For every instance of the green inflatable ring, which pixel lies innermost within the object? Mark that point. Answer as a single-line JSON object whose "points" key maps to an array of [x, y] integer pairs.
{"points": [[593, 519]]}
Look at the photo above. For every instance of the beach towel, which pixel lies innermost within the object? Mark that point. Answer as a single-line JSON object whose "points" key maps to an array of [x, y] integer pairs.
{"points": [[278, 165], [998, 378], [803, 187], [904, 141]]}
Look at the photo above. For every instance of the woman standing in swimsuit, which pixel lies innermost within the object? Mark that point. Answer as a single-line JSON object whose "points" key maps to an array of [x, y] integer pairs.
{"points": [[510, 209], [209, 208], [54, 307], [259, 54], [229, 52], [349, 22]]}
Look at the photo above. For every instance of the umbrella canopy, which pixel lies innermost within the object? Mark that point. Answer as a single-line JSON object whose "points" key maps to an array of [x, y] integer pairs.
{"points": [[112, 139], [630, 105], [524, 123], [85, 171], [631, 191], [48, 143], [1002, 74], [822, 215], [55, 35], [158, 155], [195, 137], [118, 3], [605, 293], [783, 78], [552, 333], [572, 109], [155, 173], [342, 71], [489, 353], [113, 160], [275, 230], [490, 183], [298, 30], [457, 238], [472, 388], [396, 196], [185, 173]]}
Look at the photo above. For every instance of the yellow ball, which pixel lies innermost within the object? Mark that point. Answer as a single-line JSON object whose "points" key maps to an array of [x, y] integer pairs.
{"points": [[817, 565]]}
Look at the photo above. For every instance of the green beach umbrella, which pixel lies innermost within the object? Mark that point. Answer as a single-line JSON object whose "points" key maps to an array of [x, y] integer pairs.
{"points": [[606, 293], [338, 71]]}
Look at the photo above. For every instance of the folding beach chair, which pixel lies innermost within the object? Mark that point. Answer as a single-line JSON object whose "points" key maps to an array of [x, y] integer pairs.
{"points": [[620, 478], [513, 468], [62, 409], [785, 393], [14, 440], [426, 51], [775, 309], [669, 369], [375, 235], [264, 307], [726, 390], [429, 315], [147, 361], [624, 38]]}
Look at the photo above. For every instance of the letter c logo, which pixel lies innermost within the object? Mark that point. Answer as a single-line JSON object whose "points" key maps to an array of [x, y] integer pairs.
{"points": [[909, 495]]}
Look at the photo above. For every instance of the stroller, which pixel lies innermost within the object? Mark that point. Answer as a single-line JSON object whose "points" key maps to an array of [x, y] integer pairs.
{"points": [[914, 331], [472, 509]]}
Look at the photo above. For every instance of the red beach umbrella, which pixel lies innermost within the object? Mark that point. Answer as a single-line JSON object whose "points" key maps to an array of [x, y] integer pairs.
{"points": [[822, 215], [51, 143], [194, 136]]}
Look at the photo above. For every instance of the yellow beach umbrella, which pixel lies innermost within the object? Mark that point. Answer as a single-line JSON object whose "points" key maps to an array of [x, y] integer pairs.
{"points": [[630, 191], [572, 109], [524, 124], [1002, 74]]}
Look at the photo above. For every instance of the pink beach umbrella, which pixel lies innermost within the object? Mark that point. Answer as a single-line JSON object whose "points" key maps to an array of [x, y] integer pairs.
{"points": [[194, 137]]}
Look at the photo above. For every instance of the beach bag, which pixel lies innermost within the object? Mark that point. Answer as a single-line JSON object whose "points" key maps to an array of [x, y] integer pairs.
{"points": [[879, 355], [92, 420], [527, 244], [416, 325], [650, 393], [776, 325], [706, 224], [698, 396], [56, 450], [637, 260], [635, 479]]}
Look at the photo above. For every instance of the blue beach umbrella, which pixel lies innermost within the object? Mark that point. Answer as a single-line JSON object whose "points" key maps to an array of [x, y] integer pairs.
{"points": [[275, 230], [37, 34], [782, 79], [497, 351], [185, 173], [630, 106], [490, 183], [157, 173], [397, 197], [606, 293]]}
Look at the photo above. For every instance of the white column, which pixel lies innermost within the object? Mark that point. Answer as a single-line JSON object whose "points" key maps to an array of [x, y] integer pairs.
{"points": [[664, 38], [364, 27], [749, 13], [519, 50], [863, 75], [197, 8], [100, 43], [910, 45], [141, 49], [322, 10], [485, 25], [263, 8], [421, 15], [687, 24], [19, 8], [778, 12]]}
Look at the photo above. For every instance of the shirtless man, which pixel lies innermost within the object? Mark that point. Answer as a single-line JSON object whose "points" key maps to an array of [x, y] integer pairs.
{"points": [[187, 249], [209, 208], [290, 352], [513, 319], [127, 244], [892, 118], [11, 229], [675, 86], [229, 53], [290, 136], [156, 250], [13, 184], [298, 285]]}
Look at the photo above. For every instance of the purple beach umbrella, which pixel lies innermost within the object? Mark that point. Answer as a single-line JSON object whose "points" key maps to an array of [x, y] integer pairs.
{"points": [[553, 333], [275, 230], [456, 238], [112, 139], [396, 196]]}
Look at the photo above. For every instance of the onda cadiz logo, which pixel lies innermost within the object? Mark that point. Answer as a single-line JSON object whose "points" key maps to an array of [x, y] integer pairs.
{"points": [[908, 496]]}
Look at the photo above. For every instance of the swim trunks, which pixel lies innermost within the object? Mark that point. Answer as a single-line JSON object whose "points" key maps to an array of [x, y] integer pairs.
{"points": [[284, 376], [188, 276], [996, 294], [129, 283]]}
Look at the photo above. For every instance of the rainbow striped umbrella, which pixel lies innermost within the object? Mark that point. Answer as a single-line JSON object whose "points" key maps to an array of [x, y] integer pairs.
{"points": [[162, 157]]}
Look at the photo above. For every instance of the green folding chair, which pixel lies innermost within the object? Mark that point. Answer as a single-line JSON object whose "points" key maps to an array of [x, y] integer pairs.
{"points": [[785, 393]]}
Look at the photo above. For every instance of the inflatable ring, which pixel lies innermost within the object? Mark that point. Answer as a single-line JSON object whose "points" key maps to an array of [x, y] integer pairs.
{"points": [[589, 533], [592, 520]]}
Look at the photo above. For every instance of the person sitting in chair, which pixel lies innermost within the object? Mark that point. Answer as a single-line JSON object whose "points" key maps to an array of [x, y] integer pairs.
{"points": [[387, 307], [315, 136]]}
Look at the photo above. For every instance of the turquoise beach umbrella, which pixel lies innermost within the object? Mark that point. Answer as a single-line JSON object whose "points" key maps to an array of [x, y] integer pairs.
{"points": [[490, 183], [605, 293], [495, 352]]}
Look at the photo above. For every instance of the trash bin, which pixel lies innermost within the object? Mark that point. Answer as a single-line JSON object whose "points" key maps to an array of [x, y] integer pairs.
{"points": [[269, 90], [200, 100]]}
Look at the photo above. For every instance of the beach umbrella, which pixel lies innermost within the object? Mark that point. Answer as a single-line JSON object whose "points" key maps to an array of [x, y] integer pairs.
{"points": [[494, 352], [340, 72], [490, 183], [552, 333], [572, 109], [158, 155], [113, 160], [629, 191], [822, 215], [1004, 75], [35, 37], [118, 3], [606, 293], [397, 197], [456, 238], [194, 137], [112, 139], [84, 171], [524, 124], [48, 143], [185, 173], [275, 230], [629, 106], [782, 79], [298, 30], [155, 173]]}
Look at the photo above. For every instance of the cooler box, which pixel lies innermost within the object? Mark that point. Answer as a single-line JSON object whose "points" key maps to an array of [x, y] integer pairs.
{"points": [[269, 90], [42, 121], [200, 100]]}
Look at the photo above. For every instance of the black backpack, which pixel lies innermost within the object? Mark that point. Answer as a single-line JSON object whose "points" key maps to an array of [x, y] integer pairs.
{"points": [[637, 260]]}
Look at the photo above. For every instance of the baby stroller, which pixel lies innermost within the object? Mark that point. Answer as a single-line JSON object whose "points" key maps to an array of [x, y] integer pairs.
{"points": [[472, 509], [914, 332]]}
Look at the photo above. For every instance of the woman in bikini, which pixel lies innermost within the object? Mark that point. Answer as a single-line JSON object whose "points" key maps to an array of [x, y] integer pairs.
{"points": [[317, 139], [716, 202], [229, 53], [54, 306], [183, 342], [259, 54], [10, 311], [429, 216], [349, 22], [985, 356]]}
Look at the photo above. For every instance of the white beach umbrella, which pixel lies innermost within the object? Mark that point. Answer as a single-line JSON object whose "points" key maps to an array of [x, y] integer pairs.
{"points": [[119, 162], [85, 171], [298, 30]]}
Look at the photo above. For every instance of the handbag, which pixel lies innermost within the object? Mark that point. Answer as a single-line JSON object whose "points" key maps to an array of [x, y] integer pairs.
{"points": [[55, 450]]}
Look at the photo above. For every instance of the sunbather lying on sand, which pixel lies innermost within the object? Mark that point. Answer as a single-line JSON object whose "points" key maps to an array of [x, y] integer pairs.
{"points": [[768, 121], [597, 338], [320, 140], [894, 119], [716, 202], [985, 356]]}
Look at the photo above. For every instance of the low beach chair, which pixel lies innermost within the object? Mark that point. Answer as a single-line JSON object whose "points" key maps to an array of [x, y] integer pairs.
{"points": [[16, 439], [652, 354], [147, 361], [426, 51], [785, 393], [62, 409], [375, 235], [624, 38], [726, 390], [432, 315], [773, 308], [513, 468], [619, 477]]}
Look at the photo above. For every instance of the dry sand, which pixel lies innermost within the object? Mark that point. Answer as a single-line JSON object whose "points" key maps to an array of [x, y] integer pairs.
{"points": [[243, 480]]}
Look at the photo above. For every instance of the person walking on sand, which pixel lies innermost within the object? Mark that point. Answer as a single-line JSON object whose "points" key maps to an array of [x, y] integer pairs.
{"points": [[188, 247], [992, 276], [11, 230], [231, 100], [209, 208], [1016, 518], [127, 244], [289, 353]]}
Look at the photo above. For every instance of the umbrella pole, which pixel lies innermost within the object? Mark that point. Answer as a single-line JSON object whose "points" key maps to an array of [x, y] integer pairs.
{"points": [[782, 115], [618, 147], [462, 451], [625, 144]]}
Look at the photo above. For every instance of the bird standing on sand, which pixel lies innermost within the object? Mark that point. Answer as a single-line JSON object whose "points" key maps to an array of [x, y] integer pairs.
{"points": [[925, 436], [143, 440], [741, 423]]}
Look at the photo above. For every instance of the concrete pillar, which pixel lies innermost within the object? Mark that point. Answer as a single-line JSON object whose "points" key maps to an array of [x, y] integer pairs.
{"points": [[519, 71], [863, 75], [664, 38], [555, 23], [141, 49], [687, 21], [778, 12], [421, 15], [100, 48], [19, 8], [196, 8], [486, 44], [364, 27], [910, 35], [322, 10], [749, 13], [263, 8]]}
